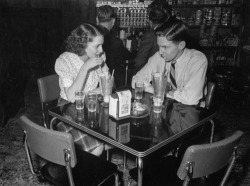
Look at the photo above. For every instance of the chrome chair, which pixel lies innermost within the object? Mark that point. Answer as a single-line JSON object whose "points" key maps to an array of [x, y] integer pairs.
{"points": [[208, 102], [49, 91], [65, 165], [199, 161], [196, 139], [210, 94]]}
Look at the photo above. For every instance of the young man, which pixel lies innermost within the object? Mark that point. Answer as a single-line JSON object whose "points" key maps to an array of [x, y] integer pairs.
{"points": [[188, 83], [116, 53]]}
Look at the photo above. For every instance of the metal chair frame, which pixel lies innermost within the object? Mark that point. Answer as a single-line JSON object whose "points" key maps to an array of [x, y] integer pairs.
{"points": [[225, 150], [63, 139], [49, 91]]}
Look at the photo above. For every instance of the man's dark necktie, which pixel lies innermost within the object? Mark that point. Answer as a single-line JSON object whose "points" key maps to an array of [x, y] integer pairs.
{"points": [[172, 75]]}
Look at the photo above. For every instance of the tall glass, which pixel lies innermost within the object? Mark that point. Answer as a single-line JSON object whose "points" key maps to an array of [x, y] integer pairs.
{"points": [[106, 85], [159, 83]]}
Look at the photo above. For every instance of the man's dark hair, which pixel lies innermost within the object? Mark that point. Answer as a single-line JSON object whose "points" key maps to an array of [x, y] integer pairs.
{"points": [[159, 11], [105, 13], [174, 30]]}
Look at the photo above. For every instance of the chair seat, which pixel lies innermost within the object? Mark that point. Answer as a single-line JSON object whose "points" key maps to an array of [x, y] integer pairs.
{"points": [[90, 170], [157, 172], [163, 172]]}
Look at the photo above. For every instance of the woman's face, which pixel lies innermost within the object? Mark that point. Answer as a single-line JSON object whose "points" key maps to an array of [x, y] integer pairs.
{"points": [[94, 48]]}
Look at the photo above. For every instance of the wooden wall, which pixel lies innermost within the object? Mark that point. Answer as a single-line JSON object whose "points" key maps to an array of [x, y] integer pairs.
{"points": [[73, 12], [41, 26]]}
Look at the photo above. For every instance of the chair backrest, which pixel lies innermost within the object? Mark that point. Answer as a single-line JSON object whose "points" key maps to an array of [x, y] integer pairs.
{"points": [[49, 91], [48, 88], [209, 158], [210, 94], [47, 143]]}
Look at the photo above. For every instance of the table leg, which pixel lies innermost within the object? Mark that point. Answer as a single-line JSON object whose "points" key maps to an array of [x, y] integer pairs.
{"points": [[140, 171], [125, 170], [124, 161]]}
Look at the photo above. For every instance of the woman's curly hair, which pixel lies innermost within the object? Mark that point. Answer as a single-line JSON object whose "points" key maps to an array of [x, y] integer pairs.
{"points": [[78, 39]]}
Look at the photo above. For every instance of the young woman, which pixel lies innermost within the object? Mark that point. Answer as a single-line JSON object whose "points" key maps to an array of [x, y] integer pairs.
{"points": [[78, 69]]}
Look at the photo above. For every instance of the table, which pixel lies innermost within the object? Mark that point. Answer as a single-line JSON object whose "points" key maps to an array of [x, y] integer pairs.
{"points": [[140, 137]]}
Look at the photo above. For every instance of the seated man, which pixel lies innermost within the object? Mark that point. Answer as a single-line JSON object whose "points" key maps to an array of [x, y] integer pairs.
{"points": [[189, 65]]}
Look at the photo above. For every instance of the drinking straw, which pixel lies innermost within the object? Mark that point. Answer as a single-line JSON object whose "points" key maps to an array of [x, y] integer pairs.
{"points": [[99, 55], [100, 84], [100, 68], [113, 72]]}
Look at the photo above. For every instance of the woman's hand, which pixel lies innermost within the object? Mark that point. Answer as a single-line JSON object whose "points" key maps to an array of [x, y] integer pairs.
{"points": [[92, 63], [103, 56]]}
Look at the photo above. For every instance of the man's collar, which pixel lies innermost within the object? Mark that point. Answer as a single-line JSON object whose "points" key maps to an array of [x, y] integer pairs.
{"points": [[181, 58]]}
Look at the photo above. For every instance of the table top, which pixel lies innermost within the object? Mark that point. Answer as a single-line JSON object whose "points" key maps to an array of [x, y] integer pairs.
{"points": [[138, 136]]}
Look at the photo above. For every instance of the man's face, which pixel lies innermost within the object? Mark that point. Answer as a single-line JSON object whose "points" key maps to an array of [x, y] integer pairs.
{"points": [[168, 49]]}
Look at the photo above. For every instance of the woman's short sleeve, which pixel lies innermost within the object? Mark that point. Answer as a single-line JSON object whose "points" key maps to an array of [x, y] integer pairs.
{"points": [[62, 68]]}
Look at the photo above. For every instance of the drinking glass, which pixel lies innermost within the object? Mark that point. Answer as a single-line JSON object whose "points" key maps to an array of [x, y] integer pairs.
{"points": [[106, 84], [79, 100], [91, 101], [139, 87], [157, 103], [159, 83]]}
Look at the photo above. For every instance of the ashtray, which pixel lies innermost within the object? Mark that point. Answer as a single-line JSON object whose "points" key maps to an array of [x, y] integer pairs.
{"points": [[139, 110]]}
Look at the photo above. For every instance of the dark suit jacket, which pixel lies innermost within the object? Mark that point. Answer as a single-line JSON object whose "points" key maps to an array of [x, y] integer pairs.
{"points": [[148, 47], [116, 55]]}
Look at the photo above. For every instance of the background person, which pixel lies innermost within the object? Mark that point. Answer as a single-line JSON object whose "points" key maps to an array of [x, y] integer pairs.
{"points": [[159, 12], [116, 52], [78, 69], [190, 65]]}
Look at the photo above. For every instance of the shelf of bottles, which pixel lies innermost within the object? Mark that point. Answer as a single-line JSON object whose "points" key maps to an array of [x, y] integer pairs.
{"points": [[215, 23], [131, 20], [218, 21], [129, 13]]}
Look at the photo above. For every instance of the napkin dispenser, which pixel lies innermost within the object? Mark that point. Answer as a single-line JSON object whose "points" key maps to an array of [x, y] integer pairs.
{"points": [[120, 104]]}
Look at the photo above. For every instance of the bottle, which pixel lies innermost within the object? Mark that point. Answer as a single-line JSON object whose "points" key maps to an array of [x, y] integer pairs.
{"points": [[134, 43], [129, 39]]}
